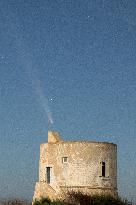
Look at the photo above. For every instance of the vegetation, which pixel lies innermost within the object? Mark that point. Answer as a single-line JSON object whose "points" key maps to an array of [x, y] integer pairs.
{"points": [[73, 198], [47, 201], [78, 198]]}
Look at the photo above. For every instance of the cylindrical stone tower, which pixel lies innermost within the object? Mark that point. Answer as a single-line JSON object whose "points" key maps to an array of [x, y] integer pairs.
{"points": [[86, 166]]}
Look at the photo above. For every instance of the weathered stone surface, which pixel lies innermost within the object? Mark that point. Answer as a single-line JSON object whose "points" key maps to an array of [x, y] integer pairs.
{"points": [[76, 165]]}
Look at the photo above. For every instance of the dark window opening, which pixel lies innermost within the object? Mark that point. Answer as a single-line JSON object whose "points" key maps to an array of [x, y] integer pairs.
{"points": [[64, 159], [103, 169], [48, 174]]}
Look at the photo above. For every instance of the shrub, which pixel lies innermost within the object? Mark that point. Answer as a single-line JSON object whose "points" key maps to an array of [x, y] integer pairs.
{"points": [[78, 198], [47, 201], [42, 201]]}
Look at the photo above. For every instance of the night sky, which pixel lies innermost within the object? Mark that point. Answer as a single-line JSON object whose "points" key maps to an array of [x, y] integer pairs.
{"points": [[68, 66]]}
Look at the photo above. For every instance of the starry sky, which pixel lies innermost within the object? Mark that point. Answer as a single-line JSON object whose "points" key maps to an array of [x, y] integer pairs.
{"points": [[68, 66]]}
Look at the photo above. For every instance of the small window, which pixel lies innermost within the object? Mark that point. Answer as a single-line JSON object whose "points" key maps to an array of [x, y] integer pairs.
{"points": [[64, 159], [48, 174], [103, 169]]}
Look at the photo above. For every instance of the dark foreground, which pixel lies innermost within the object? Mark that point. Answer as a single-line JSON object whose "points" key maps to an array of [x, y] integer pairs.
{"points": [[72, 199], [78, 198]]}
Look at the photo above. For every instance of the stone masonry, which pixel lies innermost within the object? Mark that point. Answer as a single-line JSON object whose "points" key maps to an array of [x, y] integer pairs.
{"points": [[86, 166]]}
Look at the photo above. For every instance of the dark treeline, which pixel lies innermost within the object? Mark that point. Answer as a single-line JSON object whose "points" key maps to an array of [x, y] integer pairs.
{"points": [[15, 202]]}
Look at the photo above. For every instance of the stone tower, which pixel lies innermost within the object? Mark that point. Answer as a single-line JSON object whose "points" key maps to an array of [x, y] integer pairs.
{"points": [[86, 166]]}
